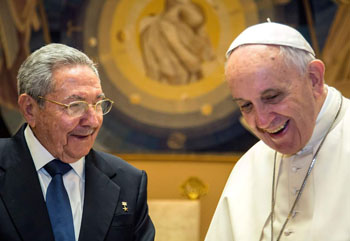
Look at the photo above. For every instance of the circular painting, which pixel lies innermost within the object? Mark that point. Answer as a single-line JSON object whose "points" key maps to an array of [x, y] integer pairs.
{"points": [[162, 62]]}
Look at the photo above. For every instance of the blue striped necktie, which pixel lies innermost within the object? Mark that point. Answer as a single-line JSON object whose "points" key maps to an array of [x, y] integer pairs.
{"points": [[57, 202]]}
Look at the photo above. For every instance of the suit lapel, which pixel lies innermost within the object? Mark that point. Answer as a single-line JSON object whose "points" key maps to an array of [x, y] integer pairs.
{"points": [[21, 192], [101, 196]]}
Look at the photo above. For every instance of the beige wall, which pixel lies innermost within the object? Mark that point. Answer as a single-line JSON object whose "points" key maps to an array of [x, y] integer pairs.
{"points": [[166, 174]]}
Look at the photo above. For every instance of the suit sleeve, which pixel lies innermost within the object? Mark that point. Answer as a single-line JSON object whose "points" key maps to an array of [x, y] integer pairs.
{"points": [[144, 230]]}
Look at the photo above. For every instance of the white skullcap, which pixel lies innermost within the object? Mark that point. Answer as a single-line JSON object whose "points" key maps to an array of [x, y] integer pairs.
{"points": [[271, 33]]}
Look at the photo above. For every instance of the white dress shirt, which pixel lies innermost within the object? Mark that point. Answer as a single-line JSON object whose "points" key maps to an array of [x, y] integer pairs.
{"points": [[74, 180]]}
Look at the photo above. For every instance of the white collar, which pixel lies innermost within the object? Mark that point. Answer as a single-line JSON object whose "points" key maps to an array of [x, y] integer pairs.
{"points": [[324, 119], [41, 156]]}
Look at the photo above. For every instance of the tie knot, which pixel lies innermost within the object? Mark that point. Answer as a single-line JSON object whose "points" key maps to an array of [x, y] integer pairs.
{"points": [[57, 167]]}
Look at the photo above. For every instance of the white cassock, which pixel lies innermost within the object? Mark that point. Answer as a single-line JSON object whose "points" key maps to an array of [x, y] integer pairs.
{"points": [[323, 211]]}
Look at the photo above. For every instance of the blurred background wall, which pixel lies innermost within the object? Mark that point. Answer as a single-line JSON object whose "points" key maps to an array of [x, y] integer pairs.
{"points": [[162, 63]]}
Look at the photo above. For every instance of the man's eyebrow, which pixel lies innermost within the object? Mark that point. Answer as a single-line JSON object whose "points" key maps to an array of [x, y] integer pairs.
{"points": [[75, 97], [102, 95], [237, 99]]}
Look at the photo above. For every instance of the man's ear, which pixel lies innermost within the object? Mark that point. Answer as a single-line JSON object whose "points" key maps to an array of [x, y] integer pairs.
{"points": [[316, 70], [29, 108]]}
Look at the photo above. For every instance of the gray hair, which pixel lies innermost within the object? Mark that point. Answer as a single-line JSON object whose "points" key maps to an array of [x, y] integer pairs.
{"points": [[35, 74], [297, 57]]}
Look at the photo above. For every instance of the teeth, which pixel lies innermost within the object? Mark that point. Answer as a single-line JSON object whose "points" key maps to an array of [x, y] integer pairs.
{"points": [[90, 132], [277, 129]]}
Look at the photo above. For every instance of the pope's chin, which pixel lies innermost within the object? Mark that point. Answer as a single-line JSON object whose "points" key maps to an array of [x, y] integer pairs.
{"points": [[285, 147], [287, 143], [289, 147]]}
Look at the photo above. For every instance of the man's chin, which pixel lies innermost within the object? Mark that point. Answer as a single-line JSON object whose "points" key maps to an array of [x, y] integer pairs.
{"points": [[84, 143], [81, 138], [74, 155]]}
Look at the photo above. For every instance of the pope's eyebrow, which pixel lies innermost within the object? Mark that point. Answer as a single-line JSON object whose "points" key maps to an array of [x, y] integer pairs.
{"points": [[269, 91], [238, 99], [265, 92]]}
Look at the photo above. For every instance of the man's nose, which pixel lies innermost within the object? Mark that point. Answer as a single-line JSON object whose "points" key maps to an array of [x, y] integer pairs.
{"points": [[262, 117], [91, 117]]}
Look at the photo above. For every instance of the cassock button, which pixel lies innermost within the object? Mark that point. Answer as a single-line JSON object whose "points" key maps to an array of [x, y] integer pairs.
{"points": [[295, 191]]}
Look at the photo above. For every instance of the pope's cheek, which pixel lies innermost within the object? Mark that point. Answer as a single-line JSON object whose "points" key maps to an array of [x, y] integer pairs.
{"points": [[292, 134]]}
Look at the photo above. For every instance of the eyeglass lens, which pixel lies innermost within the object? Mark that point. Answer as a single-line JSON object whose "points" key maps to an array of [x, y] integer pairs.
{"points": [[79, 107]]}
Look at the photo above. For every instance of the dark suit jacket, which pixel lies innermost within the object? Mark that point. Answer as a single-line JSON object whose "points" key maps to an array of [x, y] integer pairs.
{"points": [[109, 181]]}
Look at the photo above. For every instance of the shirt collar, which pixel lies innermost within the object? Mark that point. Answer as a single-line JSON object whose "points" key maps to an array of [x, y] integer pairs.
{"points": [[41, 156]]}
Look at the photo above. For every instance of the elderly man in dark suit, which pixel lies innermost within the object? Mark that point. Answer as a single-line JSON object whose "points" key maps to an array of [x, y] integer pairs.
{"points": [[53, 185]]}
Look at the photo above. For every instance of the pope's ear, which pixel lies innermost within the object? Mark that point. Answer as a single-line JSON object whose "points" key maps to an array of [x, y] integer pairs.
{"points": [[316, 70], [29, 108]]}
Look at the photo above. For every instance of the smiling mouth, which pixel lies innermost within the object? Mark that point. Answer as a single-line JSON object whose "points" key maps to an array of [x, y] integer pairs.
{"points": [[278, 129], [80, 136]]}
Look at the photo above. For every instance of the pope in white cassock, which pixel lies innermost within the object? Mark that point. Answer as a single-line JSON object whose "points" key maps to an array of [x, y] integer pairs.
{"points": [[294, 184]]}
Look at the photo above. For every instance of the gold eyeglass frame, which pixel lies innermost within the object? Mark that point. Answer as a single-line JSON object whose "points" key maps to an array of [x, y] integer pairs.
{"points": [[67, 106]]}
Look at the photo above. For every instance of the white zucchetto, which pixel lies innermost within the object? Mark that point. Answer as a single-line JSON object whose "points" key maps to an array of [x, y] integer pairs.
{"points": [[271, 33]]}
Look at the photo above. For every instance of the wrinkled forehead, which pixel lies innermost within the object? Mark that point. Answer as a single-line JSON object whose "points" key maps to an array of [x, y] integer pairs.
{"points": [[73, 78], [261, 68], [253, 56]]}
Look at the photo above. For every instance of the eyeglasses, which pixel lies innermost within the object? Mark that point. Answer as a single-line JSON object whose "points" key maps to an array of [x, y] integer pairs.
{"points": [[79, 107]]}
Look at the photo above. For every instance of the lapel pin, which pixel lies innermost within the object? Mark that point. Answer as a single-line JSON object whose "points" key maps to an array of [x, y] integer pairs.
{"points": [[125, 206]]}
